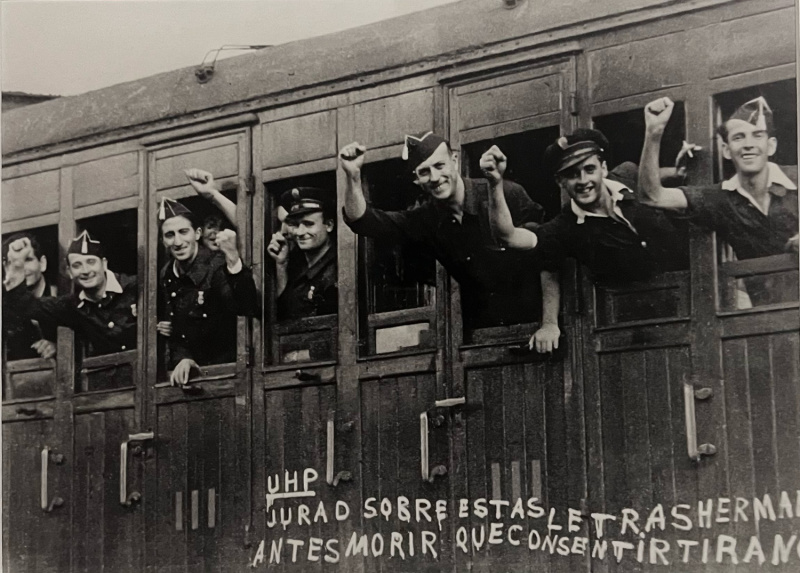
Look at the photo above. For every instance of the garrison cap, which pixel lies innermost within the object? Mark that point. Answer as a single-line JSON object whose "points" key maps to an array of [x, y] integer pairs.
{"points": [[170, 208], [572, 149], [756, 112], [302, 200], [418, 148], [83, 244]]}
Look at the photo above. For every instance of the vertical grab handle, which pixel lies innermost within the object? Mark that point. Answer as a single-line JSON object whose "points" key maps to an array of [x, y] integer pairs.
{"points": [[696, 452], [428, 474], [331, 477], [48, 504], [124, 498]]}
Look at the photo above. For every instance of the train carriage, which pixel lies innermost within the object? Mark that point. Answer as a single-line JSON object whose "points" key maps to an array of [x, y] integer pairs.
{"points": [[673, 393]]}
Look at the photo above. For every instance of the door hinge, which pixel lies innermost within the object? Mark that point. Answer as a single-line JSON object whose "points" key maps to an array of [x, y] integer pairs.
{"points": [[573, 103], [251, 356], [250, 185]]}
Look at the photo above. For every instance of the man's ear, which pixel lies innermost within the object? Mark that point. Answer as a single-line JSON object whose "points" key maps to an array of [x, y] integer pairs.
{"points": [[104, 264], [604, 168], [43, 262], [198, 232], [772, 146], [726, 151], [455, 157]]}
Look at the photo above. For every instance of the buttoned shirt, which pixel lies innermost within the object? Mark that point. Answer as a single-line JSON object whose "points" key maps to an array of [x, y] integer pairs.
{"points": [[202, 304], [739, 220], [498, 286], [309, 291], [633, 244], [103, 326]]}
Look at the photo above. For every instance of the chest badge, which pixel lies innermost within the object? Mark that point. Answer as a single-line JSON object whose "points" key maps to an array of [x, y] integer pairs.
{"points": [[311, 293], [200, 299], [133, 310]]}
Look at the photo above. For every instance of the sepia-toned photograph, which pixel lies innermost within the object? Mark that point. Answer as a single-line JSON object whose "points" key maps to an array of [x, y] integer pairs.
{"points": [[400, 286]]}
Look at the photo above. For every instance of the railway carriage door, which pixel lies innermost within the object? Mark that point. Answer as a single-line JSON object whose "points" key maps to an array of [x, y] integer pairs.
{"points": [[197, 485], [519, 435]]}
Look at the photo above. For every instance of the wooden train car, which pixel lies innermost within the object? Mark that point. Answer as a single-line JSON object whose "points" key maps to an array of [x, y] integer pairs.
{"points": [[388, 437]]}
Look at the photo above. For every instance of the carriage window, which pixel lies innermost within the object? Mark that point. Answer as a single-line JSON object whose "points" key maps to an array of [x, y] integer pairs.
{"points": [[108, 362], [301, 254], [396, 282], [510, 292], [758, 259], [28, 343]]}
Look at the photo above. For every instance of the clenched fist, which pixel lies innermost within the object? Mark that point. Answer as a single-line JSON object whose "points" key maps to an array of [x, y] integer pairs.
{"points": [[202, 182], [657, 114], [351, 158], [18, 252], [278, 248], [226, 241], [493, 164]]}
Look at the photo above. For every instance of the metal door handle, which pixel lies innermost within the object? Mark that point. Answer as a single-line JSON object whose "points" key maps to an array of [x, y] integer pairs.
{"points": [[124, 498], [428, 474], [330, 478], [47, 504], [689, 396]]}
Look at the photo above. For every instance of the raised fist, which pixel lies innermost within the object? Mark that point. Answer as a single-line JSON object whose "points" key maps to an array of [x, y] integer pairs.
{"points": [[202, 182], [351, 158], [657, 114], [493, 164], [18, 252], [278, 248], [226, 241]]}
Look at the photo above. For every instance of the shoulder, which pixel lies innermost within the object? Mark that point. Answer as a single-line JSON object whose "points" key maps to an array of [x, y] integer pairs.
{"points": [[626, 173]]}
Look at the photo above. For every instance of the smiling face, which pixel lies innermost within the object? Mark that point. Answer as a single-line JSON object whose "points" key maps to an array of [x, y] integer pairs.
{"points": [[311, 231], [179, 238], [210, 236], [438, 174], [88, 271], [748, 147], [583, 182], [34, 268]]}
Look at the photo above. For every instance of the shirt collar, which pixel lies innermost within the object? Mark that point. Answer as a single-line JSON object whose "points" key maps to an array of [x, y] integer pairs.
{"points": [[112, 285], [777, 184], [615, 190]]}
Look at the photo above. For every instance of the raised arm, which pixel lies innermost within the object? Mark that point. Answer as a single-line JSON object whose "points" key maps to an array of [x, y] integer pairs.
{"points": [[493, 164], [351, 158], [204, 185], [653, 193]]}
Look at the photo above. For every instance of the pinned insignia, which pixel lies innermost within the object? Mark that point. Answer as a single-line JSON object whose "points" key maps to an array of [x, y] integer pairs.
{"points": [[296, 193], [311, 293], [562, 142], [200, 299], [133, 310]]}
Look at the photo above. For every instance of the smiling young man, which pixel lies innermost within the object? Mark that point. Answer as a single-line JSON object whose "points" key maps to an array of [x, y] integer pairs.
{"points": [[307, 275], [605, 226], [102, 310], [498, 287], [202, 292], [755, 211]]}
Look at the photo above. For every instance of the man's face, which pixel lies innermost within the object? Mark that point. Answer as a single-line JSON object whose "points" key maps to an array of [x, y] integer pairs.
{"points": [[748, 147], [310, 231], [285, 230], [210, 236], [34, 268], [583, 182], [438, 175], [179, 238], [88, 271]]}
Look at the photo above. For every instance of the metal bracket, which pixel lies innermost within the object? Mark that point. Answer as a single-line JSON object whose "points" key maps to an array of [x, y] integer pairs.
{"points": [[125, 499], [690, 394]]}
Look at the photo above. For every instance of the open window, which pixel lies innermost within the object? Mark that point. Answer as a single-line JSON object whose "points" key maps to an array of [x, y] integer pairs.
{"points": [[761, 268], [303, 311], [396, 282], [665, 295], [26, 374], [112, 367]]}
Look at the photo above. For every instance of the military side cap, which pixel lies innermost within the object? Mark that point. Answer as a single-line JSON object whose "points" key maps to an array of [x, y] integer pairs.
{"points": [[83, 244], [575, 148], [170, 208], [418, 148], [756, 112], [302, 200]]}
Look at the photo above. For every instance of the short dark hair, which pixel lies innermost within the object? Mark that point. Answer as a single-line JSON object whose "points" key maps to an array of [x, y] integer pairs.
{"points": [[215, 221], [37, 248], [193, 219]]}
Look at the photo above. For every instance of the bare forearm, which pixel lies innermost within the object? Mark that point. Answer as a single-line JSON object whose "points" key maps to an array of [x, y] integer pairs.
{"points": [[502, 222], [649, 169], [354, 203], [551, 296], [225, 205], [281, 278]]}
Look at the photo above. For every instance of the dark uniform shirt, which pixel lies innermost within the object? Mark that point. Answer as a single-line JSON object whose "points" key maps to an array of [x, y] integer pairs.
{"points": [[103, 327], [202, 305], [639, 241], [498, 286], [310, 291], [19, 335], [739, 222]]}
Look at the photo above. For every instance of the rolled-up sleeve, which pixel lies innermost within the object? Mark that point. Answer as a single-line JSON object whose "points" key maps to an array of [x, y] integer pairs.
{"points": [[704, 206], [554, 243], [396, 226]]}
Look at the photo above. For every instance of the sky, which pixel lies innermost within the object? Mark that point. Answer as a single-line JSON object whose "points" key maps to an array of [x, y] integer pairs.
{"points": [[66, 48]]}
